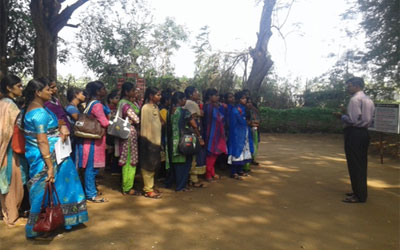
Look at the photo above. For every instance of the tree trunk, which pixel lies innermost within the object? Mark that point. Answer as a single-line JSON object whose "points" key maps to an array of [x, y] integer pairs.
{"points": [[48, 22], [4, 7], [262, 62]]}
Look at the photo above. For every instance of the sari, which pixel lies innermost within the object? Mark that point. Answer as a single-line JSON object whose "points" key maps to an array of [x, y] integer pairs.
{"points": [[55, 106], [13, 168], [67, 182]]}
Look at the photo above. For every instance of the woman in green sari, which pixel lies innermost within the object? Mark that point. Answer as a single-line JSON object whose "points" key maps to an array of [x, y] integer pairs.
{"points": [[129, 148]]}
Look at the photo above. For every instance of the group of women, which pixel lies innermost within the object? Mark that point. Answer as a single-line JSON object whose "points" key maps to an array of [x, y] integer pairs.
{"points": [[224, 129]]}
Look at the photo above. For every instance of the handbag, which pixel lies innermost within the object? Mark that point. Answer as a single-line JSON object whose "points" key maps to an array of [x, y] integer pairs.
{"points": [[87, 126], [188, 143], [119, 127], [50, 217], [18, 141]]}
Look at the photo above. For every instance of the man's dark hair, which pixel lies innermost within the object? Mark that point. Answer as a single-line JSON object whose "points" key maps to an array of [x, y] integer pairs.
{"points": [[356, 81]]}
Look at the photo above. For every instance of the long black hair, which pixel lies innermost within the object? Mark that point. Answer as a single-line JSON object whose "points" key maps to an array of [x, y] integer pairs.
{"points": [[166, 96], [210, 92], [126, 87], [8, 81], [112, 95], [189, 91], [150, 91], [30, 93], [72, 93], [176, 98], [92, 88], [239, 95]]}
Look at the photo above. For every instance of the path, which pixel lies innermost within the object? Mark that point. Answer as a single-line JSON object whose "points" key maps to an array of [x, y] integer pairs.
{"points": [[292, 201]]}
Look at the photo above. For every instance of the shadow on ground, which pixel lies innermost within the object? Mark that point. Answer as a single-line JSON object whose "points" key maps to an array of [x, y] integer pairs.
{"points": [[291, 201]]}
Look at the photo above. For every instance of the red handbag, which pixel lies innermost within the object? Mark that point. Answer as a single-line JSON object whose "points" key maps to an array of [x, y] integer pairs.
{"points": [[50, 217], [18, 141]]}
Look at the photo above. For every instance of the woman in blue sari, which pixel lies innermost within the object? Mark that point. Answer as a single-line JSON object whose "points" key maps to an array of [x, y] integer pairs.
{"points": [[41, 134]]}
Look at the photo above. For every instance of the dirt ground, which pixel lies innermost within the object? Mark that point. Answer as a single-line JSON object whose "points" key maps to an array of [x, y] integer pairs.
{"points": [[291, 201]]}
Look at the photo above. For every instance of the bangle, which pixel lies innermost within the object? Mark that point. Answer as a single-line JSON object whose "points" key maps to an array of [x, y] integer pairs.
{"points": [[47, 157]]}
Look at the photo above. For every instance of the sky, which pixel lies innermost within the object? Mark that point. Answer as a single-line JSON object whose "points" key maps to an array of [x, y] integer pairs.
{"points": [[234, 25]]}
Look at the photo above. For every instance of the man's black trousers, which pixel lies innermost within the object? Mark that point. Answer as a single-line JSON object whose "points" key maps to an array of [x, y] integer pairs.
{"points": [[356, 142]]}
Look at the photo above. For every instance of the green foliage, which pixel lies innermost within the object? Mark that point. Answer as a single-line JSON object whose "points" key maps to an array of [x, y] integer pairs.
{"points": [[279, 92], [168, 81], [20, 38], [215, 69], [299, 120], [381, 23], [120, 36]]}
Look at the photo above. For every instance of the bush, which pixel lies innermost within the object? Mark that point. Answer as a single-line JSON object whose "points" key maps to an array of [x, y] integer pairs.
{"points": [[299, 120]]}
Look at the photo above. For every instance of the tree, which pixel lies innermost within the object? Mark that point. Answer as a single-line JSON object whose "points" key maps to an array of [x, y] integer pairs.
{"points": [[113, 38], [48, 19], [381, 21], [120, 36], [166, 38], [16, 37], [262, 61]]}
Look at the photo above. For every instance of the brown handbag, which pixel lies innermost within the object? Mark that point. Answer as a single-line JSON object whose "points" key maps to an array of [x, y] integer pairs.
{"points": [[50, 217], [87, 126]]}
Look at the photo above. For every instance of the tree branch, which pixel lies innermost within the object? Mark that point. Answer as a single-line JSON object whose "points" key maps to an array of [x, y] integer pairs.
{"points": [[62, 18], [288, 13], [72, 25]]}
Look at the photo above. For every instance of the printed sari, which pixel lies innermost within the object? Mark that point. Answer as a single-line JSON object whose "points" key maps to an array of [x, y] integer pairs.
{"points": [[67, 182], [13, 167]]}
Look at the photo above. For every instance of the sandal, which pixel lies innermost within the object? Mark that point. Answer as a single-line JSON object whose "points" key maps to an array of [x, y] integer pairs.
{"points": [[157, 191], [132, 192], [255, 163], [237, 177], [184, 190], [152, 195], [217, 177], [197, 184], [97, 200], [243, 174]]}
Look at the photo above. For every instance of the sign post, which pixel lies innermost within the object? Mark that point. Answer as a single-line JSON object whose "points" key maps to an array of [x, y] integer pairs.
{"points": [[386, 120]]}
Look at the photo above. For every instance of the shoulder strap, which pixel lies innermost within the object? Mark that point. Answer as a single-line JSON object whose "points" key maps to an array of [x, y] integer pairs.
{"points": [[89, 107]]}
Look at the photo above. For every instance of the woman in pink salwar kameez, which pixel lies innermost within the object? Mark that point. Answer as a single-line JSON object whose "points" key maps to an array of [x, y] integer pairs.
{"points": [[92, 155]]}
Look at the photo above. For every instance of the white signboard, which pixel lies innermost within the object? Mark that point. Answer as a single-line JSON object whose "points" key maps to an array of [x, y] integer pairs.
{"points": [[386, 118]]}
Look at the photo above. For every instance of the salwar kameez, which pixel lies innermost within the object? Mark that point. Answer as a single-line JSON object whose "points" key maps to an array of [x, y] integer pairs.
{"points": [[214, 136], [129, 155], [240, 147], [150, 144], [92, 153], [199, 160]]}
